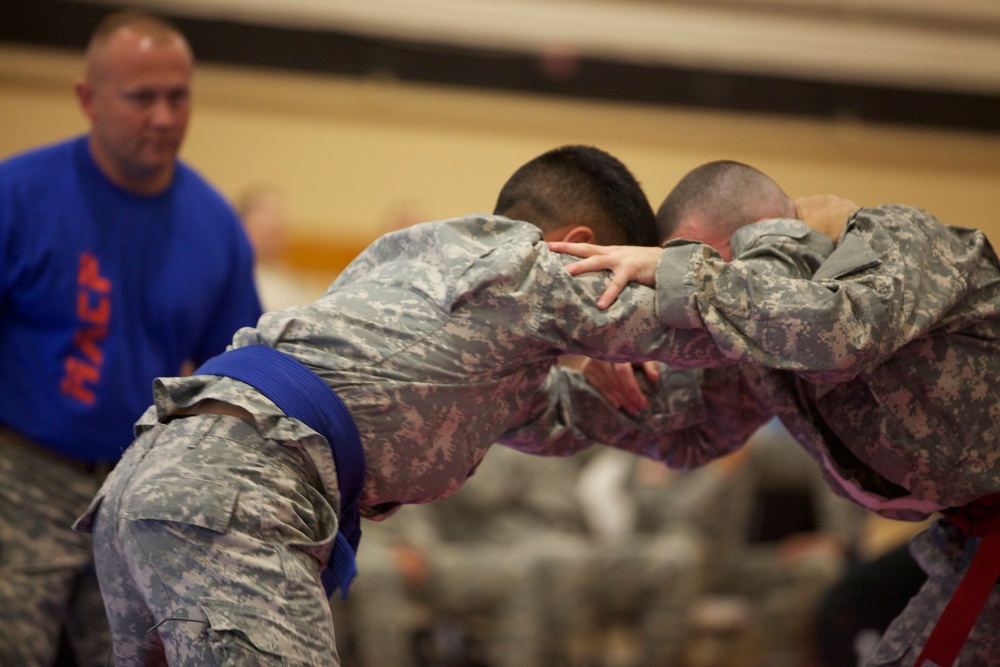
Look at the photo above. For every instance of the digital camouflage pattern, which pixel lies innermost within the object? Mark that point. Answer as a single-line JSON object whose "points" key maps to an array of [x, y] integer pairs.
{"points": [[208, 542], [434, 338], [438, 337], [944, 553], [42, 559], [893, 343], [883, 362]]}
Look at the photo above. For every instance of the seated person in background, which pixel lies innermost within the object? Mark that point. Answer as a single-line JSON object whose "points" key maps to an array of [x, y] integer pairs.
{"points": [[644, 565], [385, 616], [512, 567], [786, 537], [495, 539]]}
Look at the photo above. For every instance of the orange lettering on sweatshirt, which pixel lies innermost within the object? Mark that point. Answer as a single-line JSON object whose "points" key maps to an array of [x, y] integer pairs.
{"points": [[93, 308]]}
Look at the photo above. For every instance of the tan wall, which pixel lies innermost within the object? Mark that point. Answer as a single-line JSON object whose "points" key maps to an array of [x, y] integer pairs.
{"points": [[350, 154]]}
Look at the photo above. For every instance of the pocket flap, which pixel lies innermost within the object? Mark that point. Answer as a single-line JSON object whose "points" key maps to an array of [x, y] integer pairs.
{"points": [[85, 523], [196, 502], [852, 255], [260, 627]]}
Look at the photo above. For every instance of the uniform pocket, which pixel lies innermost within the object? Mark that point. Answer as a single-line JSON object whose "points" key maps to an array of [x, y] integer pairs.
{"points": [[323, 526], [196, 502], [85, 523], [851, 256], [245, 636]]}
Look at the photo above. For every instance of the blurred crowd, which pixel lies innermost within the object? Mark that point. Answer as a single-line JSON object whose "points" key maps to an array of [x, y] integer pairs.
{"points": [[605, 559]]}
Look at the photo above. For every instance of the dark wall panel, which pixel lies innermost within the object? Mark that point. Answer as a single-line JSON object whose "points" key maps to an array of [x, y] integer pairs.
{"points": [[68, 24]]}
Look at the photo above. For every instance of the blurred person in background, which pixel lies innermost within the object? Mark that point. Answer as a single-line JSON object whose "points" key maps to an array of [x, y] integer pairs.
{"points": [[511, 570], [483, 581], [263, 212], [786, 538], [627, 598], [119, 264]]}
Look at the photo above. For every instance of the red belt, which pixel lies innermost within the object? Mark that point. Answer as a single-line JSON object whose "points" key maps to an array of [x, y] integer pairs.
{"points": [[980, 518]]}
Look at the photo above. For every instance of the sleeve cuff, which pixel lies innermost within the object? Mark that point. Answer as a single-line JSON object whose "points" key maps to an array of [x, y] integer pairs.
{"points": [[676, 296]]}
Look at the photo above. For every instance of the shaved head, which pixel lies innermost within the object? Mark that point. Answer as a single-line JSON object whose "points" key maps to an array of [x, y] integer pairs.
{"points": [[136, 92], [144, 29], [717, 198]]}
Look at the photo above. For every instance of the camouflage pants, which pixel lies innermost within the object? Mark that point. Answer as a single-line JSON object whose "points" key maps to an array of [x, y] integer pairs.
{"points": [[651, 582], [944, 554], [47, 580], [507, 583], [382, 610], [206, 538]]}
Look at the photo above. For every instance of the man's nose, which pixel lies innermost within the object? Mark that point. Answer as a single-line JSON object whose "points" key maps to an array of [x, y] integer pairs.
{"points": [[163, 112]]}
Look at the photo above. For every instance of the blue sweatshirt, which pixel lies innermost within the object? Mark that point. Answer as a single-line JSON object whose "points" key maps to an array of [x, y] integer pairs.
{"points": [[102, 290]]}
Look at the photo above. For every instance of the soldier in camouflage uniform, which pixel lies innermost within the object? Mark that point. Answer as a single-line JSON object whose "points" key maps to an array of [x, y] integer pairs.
{"points": [[881, 360], [499, 538], [211, 533], [379, 624], [511, 562], [641, 568], [788, 537]]}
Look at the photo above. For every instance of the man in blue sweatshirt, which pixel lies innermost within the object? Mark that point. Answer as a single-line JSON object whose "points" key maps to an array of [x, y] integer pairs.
{"points": [[118, 264]]}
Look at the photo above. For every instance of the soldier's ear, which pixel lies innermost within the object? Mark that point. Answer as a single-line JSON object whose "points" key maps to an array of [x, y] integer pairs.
{"points": [[581, 234]]}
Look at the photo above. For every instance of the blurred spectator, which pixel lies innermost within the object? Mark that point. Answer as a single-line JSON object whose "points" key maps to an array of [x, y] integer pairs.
{"points": [[632, 591], [608, 558], [510, 571], [280, 285], [856, 610], [120, 264], [784, 539], [381, 621], [472, 562]]}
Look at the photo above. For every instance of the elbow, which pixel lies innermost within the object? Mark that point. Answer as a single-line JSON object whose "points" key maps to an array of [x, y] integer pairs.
{"points": [[844, 341], [841, 357]]}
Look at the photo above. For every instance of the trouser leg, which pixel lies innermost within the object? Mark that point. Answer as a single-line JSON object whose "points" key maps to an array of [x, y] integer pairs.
{"points": [[205, 538], [41, 558]]}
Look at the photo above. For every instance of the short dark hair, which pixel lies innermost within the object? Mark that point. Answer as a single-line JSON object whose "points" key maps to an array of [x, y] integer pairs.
{"points": [[580, 185], [725, 194]]}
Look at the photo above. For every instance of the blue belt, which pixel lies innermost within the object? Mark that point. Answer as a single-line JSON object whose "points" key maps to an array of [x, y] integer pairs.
{"points": [[303, 395]]}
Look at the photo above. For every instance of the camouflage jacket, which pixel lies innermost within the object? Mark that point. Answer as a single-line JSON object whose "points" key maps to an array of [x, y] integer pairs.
{"points": [[883, 362], [434, 338]]}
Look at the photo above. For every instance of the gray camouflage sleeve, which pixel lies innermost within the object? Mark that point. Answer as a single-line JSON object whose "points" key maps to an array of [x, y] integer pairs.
{"points": [[861, 305], [694, 417]]}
